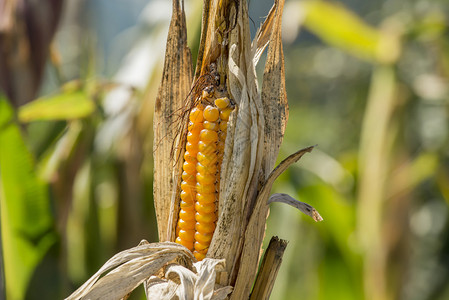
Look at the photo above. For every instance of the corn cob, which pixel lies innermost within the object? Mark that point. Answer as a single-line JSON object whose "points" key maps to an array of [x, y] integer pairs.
{"points": [[206, 135]]}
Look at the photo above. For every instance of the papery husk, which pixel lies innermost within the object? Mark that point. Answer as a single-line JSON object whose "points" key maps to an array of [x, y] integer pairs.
{"points": [[187, 279], [183, 283], [254, 136], [126, 270], [243, 149], [173, 91]]}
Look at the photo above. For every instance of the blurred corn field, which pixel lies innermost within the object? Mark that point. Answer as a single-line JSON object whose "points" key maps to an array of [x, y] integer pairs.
{"points": [[368, 82]]}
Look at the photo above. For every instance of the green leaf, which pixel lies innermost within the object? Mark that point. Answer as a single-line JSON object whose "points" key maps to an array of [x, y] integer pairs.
{"points": [[340, 27], [26, 220], [65, 106]]}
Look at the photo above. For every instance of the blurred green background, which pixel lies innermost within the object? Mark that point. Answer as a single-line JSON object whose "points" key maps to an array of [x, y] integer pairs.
{"points": [[367, 81]]}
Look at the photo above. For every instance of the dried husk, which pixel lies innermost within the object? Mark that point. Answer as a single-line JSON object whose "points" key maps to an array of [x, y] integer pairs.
{"points": [[187, 279], [187, 284], [174, 88], [254, 138]]}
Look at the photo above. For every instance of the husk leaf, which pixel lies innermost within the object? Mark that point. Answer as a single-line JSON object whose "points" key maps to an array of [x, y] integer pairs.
{"points": [[174, 88]]}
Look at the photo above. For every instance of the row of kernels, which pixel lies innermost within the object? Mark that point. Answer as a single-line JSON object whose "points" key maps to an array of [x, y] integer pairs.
{"points": [[205, 206], [185, 231]]}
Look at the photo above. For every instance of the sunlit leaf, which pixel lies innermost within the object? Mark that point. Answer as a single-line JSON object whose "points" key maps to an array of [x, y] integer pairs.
{"points": [[26, 220], [68, 105], [340, 27]]}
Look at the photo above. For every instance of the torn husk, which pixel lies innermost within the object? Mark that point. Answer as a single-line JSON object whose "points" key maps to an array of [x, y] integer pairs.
{"points": [[187, 279], [174, 88]]}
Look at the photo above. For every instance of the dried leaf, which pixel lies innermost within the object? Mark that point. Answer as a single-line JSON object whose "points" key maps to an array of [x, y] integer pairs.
{"points": [[157, 288], [274, 94], [188, 284], [173, 90], [128, 269], [256, 228], [204, 286], [303, 207], [263, 35], [243, 151]]}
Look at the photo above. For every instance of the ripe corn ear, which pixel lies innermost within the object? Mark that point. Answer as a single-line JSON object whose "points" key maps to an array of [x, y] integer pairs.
{"points": [[203, 156]]}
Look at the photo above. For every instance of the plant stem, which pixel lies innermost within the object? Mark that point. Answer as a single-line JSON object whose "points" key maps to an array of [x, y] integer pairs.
{"points": [[269, 269]]}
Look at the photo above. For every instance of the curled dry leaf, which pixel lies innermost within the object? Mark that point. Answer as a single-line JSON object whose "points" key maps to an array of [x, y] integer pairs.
{"points": [[186, 279], [303, 207], [256, 228], [187, 284], [126, 270]]}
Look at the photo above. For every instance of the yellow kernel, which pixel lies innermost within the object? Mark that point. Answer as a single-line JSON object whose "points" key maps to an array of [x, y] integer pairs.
{"points": [[225, 113], [188, 177], [194, 138], [203, 238], [210, 125], [200, 247], [199, 256], [205, 179], [211, 113], [208, 159], [208, 136], [205, 208], [205, 227], [189, 167], [183, 224], [192, 148], [187, 235], [195, 132], [189, 157], [206, 169], [206, 198], [188, 185], [207, 148], [186, 215], [223, 126], [196, 115], [188, 196], [205, 218], [205, 189], [222, 103], [195, 126], [187, 206], [187, 244]]}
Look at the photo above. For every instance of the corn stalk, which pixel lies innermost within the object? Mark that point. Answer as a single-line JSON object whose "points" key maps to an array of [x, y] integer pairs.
{"points": [[254, 134]]}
